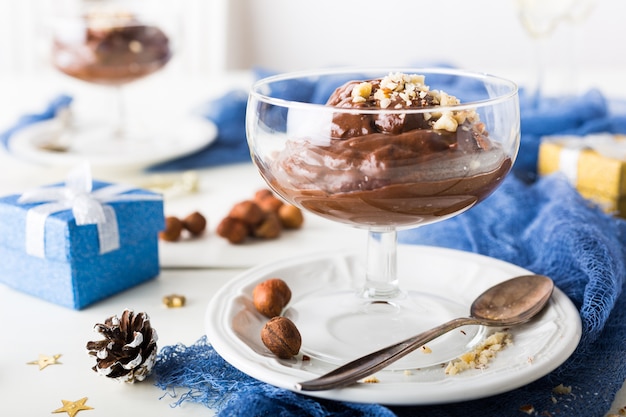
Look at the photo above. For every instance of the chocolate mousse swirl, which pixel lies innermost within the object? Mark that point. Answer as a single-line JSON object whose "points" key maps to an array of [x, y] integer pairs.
{"points": [[394, 166], [111, 49]]}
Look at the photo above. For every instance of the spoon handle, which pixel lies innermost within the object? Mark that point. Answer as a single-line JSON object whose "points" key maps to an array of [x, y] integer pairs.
{"points": [[373, 362]]}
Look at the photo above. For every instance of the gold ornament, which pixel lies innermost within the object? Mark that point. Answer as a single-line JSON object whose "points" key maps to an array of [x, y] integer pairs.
{"points": [[73, 407], [174, 301], [45, 360]]}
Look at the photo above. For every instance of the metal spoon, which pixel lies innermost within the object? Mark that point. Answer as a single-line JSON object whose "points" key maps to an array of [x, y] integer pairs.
{"points": [[509, 303]]}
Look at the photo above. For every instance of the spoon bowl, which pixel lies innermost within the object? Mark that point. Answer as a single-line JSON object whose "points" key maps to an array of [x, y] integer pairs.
{"points": [[509, 303], [514, 301]]}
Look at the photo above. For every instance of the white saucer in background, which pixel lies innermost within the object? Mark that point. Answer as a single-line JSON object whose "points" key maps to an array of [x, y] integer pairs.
{"points": [[162, 143]]}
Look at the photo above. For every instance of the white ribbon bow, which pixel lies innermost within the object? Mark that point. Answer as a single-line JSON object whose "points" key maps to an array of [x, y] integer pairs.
{"points": [[86, 205]]}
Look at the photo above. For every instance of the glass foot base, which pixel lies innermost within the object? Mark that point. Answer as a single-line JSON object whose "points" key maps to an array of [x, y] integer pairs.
{"points": [[338, 327]]}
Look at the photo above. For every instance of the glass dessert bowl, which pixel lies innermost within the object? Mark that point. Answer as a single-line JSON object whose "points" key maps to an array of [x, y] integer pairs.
{"points": [[382, 150], [110, 44]]}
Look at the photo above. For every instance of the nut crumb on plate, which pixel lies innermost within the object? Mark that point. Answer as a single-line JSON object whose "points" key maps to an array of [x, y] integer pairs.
{"points": [[481, 355], [562, 389], [371, 380]]}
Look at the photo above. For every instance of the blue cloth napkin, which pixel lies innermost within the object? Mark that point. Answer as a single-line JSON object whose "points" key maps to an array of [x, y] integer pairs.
{"points": [[542, 224], [50, 110], [228, 112]]}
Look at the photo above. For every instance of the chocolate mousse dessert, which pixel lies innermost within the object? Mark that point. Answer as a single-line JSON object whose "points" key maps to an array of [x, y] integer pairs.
{"points": [[384, 166], [110, 48]]}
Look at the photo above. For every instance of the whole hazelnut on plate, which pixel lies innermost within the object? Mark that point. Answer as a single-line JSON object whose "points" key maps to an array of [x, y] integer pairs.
{"points": [[173, 229], [262, 194], [290, 216], [267, 201], [269, 228], [271, 296], [247, 211], [281, 336], [195, 223], [235, 230]]}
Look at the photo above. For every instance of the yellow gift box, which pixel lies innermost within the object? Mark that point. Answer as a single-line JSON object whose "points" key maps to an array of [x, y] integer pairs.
{"points": [[594, 164]]}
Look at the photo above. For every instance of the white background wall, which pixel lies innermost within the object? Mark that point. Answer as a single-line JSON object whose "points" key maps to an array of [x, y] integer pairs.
{"points": [[484, 35]]}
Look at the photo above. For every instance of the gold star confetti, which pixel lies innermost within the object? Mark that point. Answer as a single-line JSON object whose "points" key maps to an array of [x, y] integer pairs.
{"points": [[45, 360], [174, 301], [73, 407]]}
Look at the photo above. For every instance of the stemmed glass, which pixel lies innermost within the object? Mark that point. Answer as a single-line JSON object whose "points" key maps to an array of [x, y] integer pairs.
{"points": [[393, 149], [110, 44], [540, 19]]}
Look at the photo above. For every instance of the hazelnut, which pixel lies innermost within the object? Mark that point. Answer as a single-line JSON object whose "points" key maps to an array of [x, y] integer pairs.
{"points": [[195, 223], [232, 229], [269, 228], [290, 216], [267, 201], [281, 336], [361, 92], [247, 211], [262, 193], [446, 122], [271, 296], [173, 229]]}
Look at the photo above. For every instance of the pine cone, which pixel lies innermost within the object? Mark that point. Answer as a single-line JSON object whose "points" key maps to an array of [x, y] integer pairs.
{"points": [[129, 349]]}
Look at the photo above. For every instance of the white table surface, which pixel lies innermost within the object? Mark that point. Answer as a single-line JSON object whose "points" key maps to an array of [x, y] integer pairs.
{"points": [[32, 326]]}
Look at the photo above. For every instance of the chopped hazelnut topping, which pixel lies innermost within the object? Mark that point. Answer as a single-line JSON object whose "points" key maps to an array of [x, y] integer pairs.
{"points": [[446, 122], [408, 90], [381, 94], [105, 20], [447, 100], [135, 46], [361, 92]]}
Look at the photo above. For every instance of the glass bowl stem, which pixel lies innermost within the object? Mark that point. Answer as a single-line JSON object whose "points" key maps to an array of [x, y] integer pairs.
{"points": [[381, 277]]}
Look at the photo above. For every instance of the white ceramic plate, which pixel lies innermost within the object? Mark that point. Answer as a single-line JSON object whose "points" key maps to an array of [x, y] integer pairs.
{"points": [[233, 327], [176, 139]]}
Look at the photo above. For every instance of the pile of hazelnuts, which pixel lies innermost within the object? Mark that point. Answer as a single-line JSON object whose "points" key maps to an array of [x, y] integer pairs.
{"points": [[194, 223], [263, 217], [280, 335]]}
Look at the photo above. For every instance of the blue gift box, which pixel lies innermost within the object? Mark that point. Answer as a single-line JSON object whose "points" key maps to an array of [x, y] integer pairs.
{"points": [[74, 269]]}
